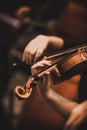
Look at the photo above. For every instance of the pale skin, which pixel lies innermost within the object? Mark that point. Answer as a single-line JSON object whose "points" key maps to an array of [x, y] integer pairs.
{"points": [[69, 109], [36, 47]]}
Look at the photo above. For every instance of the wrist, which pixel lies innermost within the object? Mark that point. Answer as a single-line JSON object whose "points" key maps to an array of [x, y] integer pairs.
{"points": [[44, 37], [56, 42], [47, 94]]}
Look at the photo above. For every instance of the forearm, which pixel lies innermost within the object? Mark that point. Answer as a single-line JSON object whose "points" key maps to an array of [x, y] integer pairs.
{"points": [[56, 42], [61, 104]]}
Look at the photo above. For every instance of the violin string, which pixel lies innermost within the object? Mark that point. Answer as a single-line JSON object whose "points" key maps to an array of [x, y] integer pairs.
{"points": [[60, 53]]}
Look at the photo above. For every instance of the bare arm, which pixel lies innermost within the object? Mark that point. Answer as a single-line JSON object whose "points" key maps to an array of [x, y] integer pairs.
{"points": [[61, 104], [74, 112]]}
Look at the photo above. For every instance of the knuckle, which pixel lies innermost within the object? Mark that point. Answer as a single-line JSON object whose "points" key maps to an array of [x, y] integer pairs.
{"points": [[32, 53], [39, 53], [32, 67]]}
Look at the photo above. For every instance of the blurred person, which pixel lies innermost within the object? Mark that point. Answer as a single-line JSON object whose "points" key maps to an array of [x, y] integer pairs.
{"points": [[34, 51], [23, 14], [74, 112], [66, 27]]}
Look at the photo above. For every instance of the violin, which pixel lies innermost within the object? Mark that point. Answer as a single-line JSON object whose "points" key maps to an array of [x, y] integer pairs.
{"points": [[68, 63]]}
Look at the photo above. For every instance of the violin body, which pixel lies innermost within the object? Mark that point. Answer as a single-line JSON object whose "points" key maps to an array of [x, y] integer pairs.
{"points": [[70, 66]]}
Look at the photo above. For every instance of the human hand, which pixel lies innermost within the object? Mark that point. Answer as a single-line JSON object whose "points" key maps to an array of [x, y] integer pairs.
{"points": [[77, 116], [43, 84], [35, 49]]}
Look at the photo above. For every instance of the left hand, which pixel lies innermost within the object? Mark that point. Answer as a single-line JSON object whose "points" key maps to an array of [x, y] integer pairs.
{"points": [[77, 116], [43, 84]]}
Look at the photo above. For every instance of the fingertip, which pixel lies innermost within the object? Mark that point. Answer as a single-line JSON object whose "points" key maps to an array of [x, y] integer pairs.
{"points": [[50, 62], [23, 59], [37, 55], [47, 75], [45, 57]]}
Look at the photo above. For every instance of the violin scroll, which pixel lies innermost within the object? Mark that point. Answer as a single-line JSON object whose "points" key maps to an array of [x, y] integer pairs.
{"points": [[20, 92], [24, 91]]}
